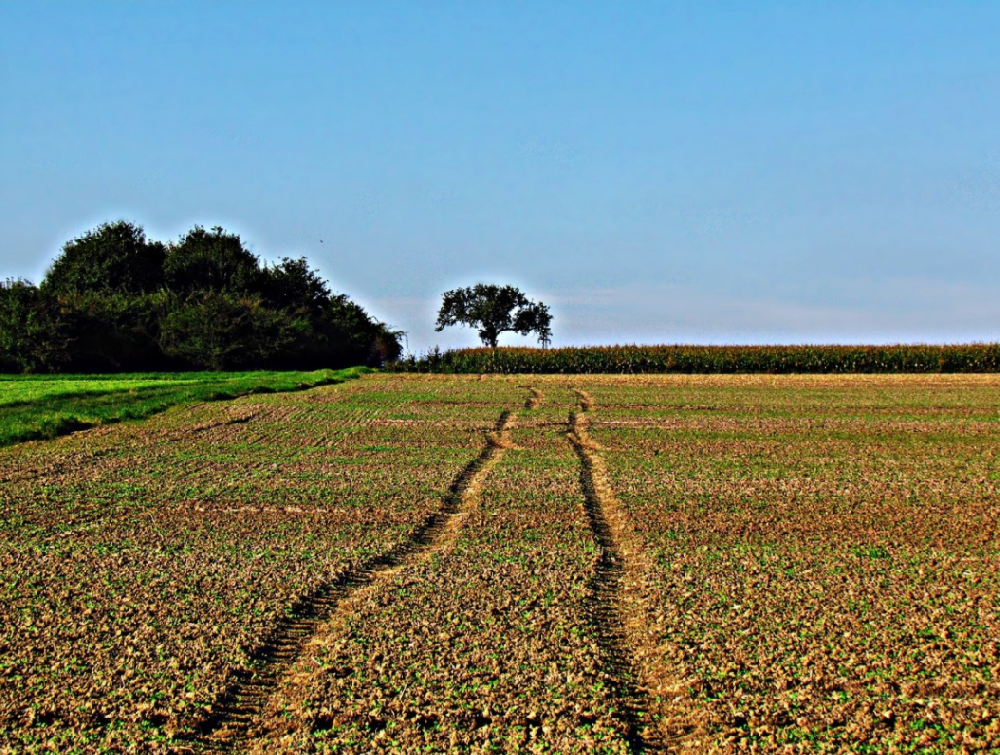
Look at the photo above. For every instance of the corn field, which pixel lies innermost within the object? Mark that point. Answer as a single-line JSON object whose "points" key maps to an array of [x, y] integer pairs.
{"points": [[977, 357]]}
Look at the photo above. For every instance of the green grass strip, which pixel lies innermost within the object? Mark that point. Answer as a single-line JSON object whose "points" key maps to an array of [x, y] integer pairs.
{"points": [[42, 407]]}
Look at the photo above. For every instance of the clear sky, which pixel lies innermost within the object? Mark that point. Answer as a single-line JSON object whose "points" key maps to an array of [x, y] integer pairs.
{"points": [[656, 172]]}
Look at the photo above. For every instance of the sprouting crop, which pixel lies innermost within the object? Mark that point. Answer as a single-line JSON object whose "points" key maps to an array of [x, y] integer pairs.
{"points": [[615, 564]]}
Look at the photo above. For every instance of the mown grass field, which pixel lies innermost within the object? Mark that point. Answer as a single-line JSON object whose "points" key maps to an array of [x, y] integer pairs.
{"points": [[38, 407], [429, 563]]}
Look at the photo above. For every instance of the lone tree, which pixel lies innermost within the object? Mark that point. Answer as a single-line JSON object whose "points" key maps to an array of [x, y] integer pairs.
{"points": [[494, 310]]}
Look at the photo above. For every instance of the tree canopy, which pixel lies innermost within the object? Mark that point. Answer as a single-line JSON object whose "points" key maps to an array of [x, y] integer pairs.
{"points": [[493, 310], [211, 260], [112, 258], [115, 300]]}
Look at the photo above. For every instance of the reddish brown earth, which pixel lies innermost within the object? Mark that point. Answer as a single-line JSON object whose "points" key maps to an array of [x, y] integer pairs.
{"points": [[453, 564]]}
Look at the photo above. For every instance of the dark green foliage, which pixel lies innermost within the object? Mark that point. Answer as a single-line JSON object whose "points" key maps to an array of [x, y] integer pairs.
{"points": [[211, 261], [114, 331], [292, 285], [114, 301], [714, 359], [493, 310], [113, 258], [223, 332], [366, 341], [33, 336]]}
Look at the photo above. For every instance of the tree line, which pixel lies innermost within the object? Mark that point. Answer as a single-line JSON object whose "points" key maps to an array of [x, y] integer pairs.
{"points": [[115, 300]]}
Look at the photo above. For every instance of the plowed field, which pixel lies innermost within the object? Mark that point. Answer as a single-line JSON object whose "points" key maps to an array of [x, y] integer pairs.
{"points": [[554, 564]]}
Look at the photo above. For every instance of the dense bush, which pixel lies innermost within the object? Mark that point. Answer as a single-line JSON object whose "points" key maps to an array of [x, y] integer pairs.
{"points": [[211, 261], [113, 258], [115, 301], [712, 359], [33, 335]]}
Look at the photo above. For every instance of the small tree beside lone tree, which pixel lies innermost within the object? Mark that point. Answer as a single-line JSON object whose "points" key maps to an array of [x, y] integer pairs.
{"points": [[493, 310]]}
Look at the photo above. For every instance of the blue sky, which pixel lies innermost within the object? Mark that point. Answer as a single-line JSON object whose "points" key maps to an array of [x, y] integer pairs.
{"points": [[654, 171]]}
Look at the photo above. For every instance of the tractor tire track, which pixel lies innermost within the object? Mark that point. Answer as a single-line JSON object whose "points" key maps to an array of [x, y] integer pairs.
{"points": [[657, 717], [229, 728], [535, 399], [604, 599]]}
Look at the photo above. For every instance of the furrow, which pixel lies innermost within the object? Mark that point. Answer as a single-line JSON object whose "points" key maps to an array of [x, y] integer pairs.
{"points": [[534, 399], [236, 418], [229, 728], [656, 704], [606, 603]]}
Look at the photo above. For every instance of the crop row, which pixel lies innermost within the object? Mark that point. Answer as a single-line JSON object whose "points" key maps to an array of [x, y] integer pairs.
{"points": [[979, 357], [142, 567], [825, 555], [486, 646], [713, 563]]}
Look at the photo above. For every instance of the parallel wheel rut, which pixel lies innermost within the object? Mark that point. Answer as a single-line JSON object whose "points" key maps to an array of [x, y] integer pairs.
{"points": [[605, 604], [228, 728]]}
